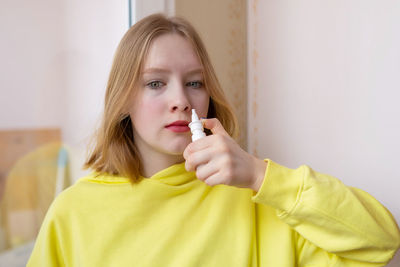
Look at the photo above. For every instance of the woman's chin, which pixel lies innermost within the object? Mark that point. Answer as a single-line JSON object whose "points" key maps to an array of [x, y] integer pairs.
{"points": [[177, 150]]}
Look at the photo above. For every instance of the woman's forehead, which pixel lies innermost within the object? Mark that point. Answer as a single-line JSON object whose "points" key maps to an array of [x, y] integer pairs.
{"points": [[169, 51]]}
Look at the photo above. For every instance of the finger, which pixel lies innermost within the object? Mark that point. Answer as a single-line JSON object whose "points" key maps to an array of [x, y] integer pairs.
{"points": [[214, 179], [200, 144], [214, 125], [216, 128], [197, 158], [205, 171]]}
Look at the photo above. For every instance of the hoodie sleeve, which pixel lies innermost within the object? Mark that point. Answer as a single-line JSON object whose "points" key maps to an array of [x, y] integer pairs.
{"points": [[329, 216]]}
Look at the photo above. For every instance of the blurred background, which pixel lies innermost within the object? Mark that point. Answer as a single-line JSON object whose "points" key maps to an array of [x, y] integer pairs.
{"points": [[312, 82]]}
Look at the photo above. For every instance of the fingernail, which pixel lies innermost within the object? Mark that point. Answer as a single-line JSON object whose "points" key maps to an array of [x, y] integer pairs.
{"points": [[203, 118]]}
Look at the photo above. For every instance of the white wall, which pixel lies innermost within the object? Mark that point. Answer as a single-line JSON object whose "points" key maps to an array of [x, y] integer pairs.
{"points": [[143, 8], [32, 79], [324, 87], [55, 60]]}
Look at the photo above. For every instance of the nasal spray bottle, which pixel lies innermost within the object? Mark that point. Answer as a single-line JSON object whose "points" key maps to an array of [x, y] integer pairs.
{"points": [[196, 127]]}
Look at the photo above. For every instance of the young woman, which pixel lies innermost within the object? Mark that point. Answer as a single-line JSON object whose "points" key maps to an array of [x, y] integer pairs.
{"points": [[157, 199]]}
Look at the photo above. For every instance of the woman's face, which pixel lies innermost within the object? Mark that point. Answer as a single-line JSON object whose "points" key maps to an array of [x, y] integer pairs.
{"points": [[171, 85]]}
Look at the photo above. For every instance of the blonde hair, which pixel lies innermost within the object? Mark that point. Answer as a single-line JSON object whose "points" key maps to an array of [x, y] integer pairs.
{"points": [[114, 151]]}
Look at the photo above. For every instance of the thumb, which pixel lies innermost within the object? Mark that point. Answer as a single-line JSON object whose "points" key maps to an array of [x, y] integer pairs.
{"points": [[214, 125]]}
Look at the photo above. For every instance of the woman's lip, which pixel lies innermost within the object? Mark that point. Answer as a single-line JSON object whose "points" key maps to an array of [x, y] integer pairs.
{"points": [[178, 128], [178, 123]]}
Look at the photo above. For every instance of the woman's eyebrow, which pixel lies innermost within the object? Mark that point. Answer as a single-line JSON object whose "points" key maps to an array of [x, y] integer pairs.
{"points": [[156, 70], [195, 71], [161, 70]]}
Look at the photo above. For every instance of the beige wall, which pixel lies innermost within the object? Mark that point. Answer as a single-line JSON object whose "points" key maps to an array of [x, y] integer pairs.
{"points": [[222, 26]]}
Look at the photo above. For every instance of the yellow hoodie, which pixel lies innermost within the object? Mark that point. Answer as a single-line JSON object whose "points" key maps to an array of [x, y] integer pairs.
{"points": [[298, 218]]}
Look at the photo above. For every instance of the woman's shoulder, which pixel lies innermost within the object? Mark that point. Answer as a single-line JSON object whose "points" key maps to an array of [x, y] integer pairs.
{"points": [[85, 192]]}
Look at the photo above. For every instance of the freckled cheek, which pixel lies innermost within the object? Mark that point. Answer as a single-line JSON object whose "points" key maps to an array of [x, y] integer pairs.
{"points": [[150, 110]]}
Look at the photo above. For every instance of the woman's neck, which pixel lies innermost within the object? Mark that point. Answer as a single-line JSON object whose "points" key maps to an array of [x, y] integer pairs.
{"points": [[151, 164]]}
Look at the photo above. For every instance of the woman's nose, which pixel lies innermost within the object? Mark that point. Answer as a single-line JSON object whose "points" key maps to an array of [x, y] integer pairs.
{"points": [[179, 100]]}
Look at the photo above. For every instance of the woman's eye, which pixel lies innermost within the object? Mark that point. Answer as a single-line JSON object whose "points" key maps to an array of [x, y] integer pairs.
{"points": [[195, 84], [155, 84]]}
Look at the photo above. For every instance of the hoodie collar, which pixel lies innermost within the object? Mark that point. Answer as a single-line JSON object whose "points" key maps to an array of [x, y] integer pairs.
{"points": [[173, 175]]}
